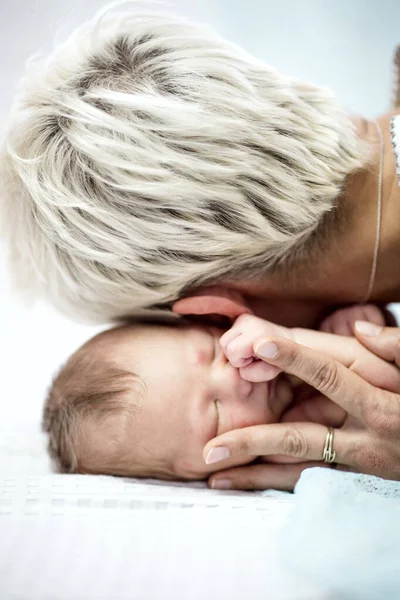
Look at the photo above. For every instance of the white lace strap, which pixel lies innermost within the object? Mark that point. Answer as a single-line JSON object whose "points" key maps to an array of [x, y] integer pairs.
{"points": [[395, 133]]}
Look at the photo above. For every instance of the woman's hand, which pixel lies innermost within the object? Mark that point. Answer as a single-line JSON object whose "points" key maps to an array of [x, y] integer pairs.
{"points": [[368, 442]]}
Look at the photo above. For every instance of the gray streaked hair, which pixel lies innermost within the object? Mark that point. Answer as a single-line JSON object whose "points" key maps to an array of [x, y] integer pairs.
{"points": [[147, 156]]}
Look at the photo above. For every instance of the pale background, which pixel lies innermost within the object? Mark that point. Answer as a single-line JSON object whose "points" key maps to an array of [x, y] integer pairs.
{"points": [[346, 44]]}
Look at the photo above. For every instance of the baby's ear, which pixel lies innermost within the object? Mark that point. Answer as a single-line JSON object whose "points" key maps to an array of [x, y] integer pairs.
{"points": [[213, 300]]}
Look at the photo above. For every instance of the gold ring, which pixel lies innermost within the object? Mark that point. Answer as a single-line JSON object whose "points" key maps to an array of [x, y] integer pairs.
{"points": [[329, 454]]}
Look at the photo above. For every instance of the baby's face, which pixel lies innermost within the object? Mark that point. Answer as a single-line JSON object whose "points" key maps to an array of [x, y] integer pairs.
{"points": [[192, 395]]}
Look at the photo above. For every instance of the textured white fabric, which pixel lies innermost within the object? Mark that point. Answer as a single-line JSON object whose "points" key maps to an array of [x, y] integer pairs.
{"points": [[81, 537]]}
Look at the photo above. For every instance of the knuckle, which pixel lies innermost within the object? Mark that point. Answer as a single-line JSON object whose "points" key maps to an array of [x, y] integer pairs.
{"points": [[372, 415], [232, 359], [223, 343], [371, 456], [246, 482], [243, 444], [243, 320], [326, 378], [292, 356], [256, 477], [379, 422], [383, 416], [234, 356], [294, 443]]}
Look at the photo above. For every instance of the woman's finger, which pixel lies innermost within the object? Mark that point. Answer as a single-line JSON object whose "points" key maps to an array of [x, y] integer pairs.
{"points": [[303, 441], [353, 355], [260, 476], [326, 375], [382, 341]]}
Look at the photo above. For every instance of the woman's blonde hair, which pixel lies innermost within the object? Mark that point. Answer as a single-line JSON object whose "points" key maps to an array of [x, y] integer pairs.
{"points": [[147, 156]]}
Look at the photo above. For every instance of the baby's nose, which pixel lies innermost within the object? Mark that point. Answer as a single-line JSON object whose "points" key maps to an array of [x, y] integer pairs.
{"points": [[234, 387]]}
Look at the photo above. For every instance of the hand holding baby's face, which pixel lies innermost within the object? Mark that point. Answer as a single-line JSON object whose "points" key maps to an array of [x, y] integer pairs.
{"points": [[239, 344]]}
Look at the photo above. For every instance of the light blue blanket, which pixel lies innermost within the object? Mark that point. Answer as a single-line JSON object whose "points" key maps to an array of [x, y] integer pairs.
{"points": [[344, 534]]}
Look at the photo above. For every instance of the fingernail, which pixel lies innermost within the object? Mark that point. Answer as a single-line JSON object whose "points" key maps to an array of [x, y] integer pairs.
{"points": [[217, 454], [221, 484], [366, 328], [267, 350]]}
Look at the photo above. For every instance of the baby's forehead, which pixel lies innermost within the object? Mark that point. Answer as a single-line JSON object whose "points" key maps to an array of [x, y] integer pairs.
{"points": [[125, 331], [140, 336], [107, 343]]}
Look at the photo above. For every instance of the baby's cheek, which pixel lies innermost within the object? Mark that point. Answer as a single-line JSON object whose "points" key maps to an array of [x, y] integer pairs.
{"points": [[280, 398], [200, 358]]}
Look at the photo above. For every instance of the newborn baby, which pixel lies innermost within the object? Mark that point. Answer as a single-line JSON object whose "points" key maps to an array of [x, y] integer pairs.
{"points": [[143, 400]]}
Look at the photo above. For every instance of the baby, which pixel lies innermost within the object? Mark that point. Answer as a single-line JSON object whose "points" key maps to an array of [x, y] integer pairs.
{"points": [[144, 399]]}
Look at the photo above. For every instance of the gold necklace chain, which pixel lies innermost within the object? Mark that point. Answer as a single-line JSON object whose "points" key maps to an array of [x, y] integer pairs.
{"points": [[378, 220]]}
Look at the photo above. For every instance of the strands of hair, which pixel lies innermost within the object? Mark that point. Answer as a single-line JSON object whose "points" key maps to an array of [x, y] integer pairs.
{"points": [[147, 155]]}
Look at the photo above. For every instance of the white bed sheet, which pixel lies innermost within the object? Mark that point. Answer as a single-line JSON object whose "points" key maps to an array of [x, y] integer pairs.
{"points": [[67, 537]]}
